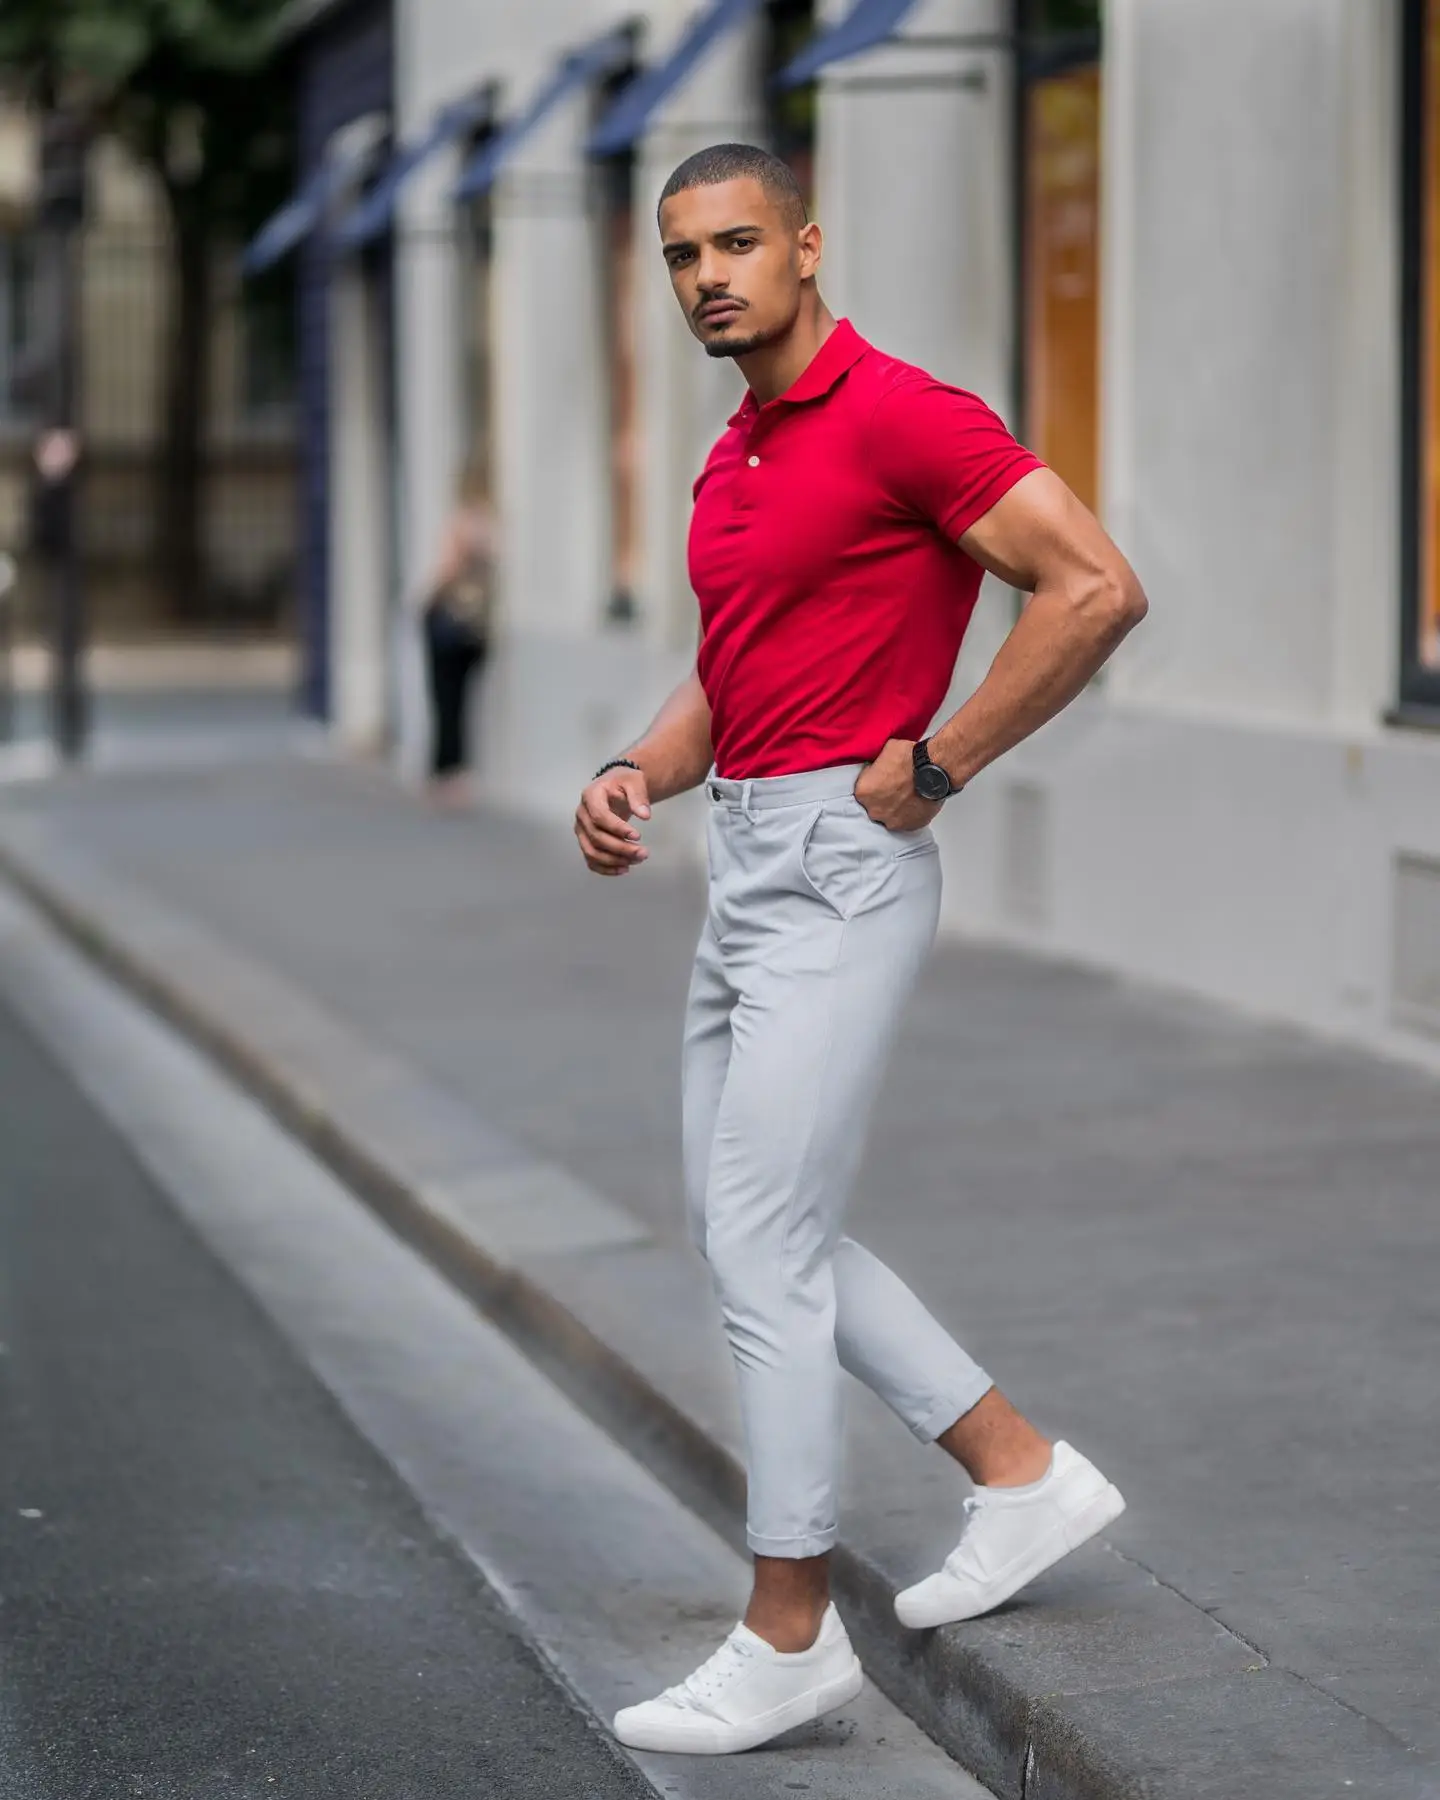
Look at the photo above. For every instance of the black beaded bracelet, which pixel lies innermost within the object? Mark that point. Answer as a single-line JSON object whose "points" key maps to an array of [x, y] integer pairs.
{"points": [[617, 762]]}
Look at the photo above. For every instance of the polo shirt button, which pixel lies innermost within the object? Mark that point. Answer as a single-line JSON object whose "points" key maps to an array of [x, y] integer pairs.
{"points": [[754, 462]]}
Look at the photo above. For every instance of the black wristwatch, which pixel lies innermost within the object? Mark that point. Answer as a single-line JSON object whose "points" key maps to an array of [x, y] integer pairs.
{"points": [[931, 781]]}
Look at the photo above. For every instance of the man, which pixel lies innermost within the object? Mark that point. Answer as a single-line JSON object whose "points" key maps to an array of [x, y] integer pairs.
{"points": [[841, 528]]}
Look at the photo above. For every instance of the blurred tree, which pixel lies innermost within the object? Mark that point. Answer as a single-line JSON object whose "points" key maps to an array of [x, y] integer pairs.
{"points": [[180, 84]]}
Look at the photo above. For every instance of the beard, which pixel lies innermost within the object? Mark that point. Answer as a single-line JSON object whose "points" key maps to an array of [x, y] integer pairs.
{"points": [[716, 348]]}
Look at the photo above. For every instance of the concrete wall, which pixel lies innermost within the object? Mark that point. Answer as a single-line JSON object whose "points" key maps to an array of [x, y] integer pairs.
{"points": [[359, 512], [914, 174], [1225, 428], [1226, 811], [1229, 813]]}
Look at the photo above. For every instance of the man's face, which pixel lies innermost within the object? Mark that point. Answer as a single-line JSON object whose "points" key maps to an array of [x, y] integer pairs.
{"points": [[736, 264]]}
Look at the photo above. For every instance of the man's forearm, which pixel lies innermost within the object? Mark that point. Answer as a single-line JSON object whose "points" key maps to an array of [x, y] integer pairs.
{"points": [[675, 752], [1058, 644]]}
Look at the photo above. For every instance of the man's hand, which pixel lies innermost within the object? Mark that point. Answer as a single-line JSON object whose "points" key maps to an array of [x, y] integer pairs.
{"points": [[886, 789], [609, 843]]}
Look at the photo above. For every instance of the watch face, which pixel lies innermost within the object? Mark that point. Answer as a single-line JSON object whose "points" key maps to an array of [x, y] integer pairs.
{"points": [[931, 783]]}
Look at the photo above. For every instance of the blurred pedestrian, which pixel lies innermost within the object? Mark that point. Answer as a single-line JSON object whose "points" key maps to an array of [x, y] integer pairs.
{"points": [[458, 610], [841, 527], [56, 460]]}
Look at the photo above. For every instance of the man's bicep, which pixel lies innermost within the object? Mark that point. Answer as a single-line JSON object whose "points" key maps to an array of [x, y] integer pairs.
{"points": [[1036, 529]]}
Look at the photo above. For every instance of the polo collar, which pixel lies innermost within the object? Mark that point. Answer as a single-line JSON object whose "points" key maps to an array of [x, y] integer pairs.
{"points": [[841, 350]]}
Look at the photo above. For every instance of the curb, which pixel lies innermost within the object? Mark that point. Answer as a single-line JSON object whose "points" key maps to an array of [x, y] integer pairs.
{"points": [[480, 1208]]}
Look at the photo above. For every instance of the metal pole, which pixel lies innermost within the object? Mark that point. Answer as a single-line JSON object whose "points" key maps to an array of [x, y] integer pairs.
{"points": [[69, 708], [7, 647], [63, 145]]}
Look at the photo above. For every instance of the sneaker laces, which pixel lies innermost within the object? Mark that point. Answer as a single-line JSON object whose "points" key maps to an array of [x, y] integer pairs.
{"points": [[714, 1675]]}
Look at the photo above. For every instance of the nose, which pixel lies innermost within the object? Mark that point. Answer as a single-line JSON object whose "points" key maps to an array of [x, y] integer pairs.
{"points": [[711, 277]]}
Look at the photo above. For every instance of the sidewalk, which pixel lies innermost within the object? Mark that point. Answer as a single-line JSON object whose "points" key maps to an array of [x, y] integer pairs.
{"points": [[1207, 1252], [153, 688]]}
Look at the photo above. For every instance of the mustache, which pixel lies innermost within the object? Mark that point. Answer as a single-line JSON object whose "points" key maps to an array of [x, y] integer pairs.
{"points": [[719, 300]]}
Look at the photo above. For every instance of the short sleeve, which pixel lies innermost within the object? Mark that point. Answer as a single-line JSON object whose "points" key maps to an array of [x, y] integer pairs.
{"points": [[941, 452]]}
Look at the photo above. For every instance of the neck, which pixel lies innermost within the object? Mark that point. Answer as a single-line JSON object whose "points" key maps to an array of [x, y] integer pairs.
{"points": [[778, 366]]}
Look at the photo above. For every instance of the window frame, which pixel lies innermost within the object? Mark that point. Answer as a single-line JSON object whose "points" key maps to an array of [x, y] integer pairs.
{"points": [[1038, 56], [788, 26], [614, 199], [1419, 686], [267, 305], [473, 274]]}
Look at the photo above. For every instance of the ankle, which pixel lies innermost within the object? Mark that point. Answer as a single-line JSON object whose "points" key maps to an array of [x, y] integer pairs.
{"points": [[1019, 1466], [996, 1445], [788, 1628]]}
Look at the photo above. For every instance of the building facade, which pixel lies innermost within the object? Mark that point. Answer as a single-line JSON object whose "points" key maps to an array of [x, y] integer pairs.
{"points": [[1191, 251]]}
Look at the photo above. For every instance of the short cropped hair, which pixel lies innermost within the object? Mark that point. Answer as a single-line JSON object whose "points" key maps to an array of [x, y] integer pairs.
{"points": [[734, 162]]}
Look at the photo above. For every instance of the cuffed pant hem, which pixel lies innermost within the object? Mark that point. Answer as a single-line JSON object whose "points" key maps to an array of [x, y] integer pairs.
{"points": [[946, 1412], [815, 1544]]}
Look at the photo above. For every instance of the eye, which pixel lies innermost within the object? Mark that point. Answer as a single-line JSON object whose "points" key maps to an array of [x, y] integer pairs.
{"points": [[742, 243]]}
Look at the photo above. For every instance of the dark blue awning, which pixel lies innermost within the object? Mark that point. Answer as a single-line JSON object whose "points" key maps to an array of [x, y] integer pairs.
{"points": [[588, 63], [631, 113], [294, 221], [302, 213], [868, 23], [373, 214]]}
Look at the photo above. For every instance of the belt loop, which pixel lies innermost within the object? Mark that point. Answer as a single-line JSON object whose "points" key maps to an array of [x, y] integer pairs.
{"points": [[745, 793]]}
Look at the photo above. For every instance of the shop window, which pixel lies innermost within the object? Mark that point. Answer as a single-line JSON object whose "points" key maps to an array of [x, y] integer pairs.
{"points": [[615, 188], [1420, 640], [475, 262], [269, 361], [790, 125], [1060, 249]]}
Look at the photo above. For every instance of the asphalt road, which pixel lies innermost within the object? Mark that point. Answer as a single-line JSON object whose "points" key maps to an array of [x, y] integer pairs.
{"points": [[210, 1585]]}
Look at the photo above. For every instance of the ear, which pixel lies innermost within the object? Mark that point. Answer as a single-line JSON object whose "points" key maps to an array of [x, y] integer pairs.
{"points": [[812, 244]]}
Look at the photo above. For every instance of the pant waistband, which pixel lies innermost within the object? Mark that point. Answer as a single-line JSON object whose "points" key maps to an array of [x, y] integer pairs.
{"points": [[767, 791]]}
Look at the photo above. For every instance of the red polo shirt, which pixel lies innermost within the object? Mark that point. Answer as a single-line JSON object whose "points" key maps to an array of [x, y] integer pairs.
{"points": [[833, 593]]}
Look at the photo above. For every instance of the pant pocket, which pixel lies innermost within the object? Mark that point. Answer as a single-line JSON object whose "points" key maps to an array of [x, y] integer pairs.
{"points": [[897, 845], [833, 861]]}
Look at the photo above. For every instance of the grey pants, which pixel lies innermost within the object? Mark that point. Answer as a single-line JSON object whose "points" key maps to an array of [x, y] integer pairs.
{"points": [[817, 924]]}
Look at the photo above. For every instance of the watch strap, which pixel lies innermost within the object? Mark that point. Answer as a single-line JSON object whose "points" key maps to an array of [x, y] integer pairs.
{"points": [[922, 758]]}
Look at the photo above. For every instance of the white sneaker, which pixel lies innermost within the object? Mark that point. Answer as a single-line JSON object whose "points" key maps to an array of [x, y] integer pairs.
{"points": [[1011, 1536], [746, 1694]]}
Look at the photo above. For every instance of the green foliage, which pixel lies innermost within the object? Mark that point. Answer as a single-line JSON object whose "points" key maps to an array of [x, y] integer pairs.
{"points": [[177, 82], [106, 43], [1057, 18]]}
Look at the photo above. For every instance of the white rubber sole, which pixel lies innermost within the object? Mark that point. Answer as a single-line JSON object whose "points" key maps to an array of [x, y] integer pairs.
{"points": [[690, 1735], [922, 1611]]}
